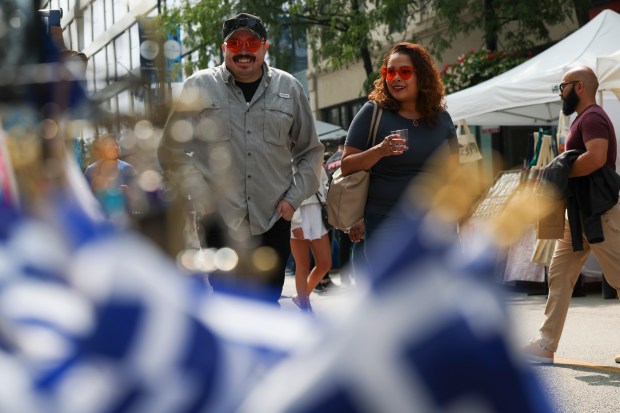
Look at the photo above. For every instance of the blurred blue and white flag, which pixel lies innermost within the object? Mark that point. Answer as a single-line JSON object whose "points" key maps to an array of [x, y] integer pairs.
{"points": [[94, 320], [431, 335], [102, 321]]}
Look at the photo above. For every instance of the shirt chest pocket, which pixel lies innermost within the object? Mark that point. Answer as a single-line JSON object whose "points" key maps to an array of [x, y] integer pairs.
{"points": [[213, 122], [279, 115]]}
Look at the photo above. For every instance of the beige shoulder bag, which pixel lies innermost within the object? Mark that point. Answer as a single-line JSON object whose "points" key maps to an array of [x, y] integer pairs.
{"points": [[346, 197]]}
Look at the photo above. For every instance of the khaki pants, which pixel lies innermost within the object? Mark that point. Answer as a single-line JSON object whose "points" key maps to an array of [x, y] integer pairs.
{"points": [[566, 266]]}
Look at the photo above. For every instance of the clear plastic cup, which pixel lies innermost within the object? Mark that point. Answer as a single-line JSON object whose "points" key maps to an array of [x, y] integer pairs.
{"points": [[404, 134]]}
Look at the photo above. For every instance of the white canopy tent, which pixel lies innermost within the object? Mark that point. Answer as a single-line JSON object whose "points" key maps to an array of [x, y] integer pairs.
{"points": [[608, 72], [528, 94]]}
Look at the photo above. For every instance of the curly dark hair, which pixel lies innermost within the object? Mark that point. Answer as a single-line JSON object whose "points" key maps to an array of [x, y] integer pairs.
{"points": [[430, 88]]}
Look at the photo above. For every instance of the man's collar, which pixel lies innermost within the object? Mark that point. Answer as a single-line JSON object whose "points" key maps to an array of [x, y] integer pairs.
{"points": [[586, 108]]}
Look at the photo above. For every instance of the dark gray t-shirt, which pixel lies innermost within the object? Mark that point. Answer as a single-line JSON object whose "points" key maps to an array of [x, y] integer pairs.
{"points": [[392, 174]]}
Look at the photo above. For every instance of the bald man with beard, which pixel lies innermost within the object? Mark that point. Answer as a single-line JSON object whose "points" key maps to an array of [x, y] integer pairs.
{"points": [[593, 133]]}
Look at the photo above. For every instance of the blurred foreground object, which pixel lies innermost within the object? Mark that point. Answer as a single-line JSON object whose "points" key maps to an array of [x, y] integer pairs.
{"points": [[431, 335], [100, 321], [43, 105]]}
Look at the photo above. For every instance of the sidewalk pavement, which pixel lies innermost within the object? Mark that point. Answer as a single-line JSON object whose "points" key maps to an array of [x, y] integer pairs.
{"points": [[584, 377], [331, 304], [591, 334]]}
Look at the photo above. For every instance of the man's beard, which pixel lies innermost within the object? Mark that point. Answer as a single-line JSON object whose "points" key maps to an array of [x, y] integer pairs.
{"points": [[570, 102]]}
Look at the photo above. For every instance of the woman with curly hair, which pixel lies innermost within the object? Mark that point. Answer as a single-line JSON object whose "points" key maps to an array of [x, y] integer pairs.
{"points": [[410, 92]]}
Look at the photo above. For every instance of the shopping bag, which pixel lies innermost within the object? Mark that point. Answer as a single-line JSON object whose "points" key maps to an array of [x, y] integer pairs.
{"points": [[346, 196], [550, 224], [468, 148], [346, 199], [543, 251]]}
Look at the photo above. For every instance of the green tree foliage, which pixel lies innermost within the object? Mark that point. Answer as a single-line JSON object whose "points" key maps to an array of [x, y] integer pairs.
{"points": [[201, 26], [339, 30], [506, 24], [509, 29]]}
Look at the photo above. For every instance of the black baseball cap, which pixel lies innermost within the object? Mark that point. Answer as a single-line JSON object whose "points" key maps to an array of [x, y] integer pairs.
{"points": [[244, 21]]}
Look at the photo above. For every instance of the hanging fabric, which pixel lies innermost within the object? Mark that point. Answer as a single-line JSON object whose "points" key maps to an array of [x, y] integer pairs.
{"points": [[546, 153], [562, 132], [537, 145], [544, 247]]}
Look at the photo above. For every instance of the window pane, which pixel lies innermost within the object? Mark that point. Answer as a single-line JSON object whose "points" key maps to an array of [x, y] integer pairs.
{"points": [[135, 46], [120, 9], [88, 27], [132, 4], [73, 39], [100, 70], [112, 105], [125, 102], [108, 8], [90, 76], [123, 57], [98, 19], [111, 62], [333, 115]]}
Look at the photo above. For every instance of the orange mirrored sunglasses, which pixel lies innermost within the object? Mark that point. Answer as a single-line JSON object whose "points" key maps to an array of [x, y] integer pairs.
{"points": [[389, 73], [251, 45]]}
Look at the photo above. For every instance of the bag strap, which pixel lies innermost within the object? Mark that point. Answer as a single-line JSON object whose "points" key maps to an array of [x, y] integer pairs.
{"points": [[372, 131], [374, 124], [463, 128], [321, 202]]}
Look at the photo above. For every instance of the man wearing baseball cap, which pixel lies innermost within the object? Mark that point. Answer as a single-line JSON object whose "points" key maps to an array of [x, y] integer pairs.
{"points": [[241, 143], [247, 22]]}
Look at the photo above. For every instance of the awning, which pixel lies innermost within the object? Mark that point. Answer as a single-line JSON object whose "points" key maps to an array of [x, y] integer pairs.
{"points": [[328, 131]]}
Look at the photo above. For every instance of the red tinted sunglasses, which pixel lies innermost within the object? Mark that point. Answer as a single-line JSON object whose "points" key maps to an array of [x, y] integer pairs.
{"points": [[389, 73], [251, 45]]}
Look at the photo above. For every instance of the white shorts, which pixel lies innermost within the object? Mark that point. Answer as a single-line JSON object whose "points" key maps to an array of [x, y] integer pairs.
{"points": [[311, 222]]}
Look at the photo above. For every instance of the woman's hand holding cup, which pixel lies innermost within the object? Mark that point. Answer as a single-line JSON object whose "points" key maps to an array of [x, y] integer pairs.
{"points": [[396, 142]]}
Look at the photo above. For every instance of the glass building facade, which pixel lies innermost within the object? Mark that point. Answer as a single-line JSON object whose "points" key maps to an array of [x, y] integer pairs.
{"points": [[108, 32]]}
